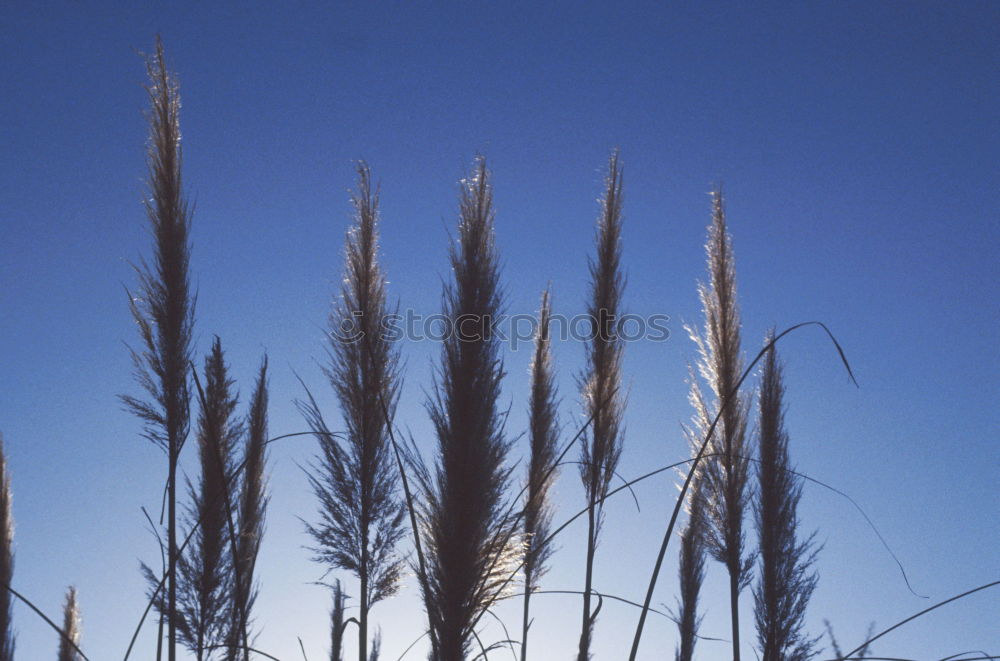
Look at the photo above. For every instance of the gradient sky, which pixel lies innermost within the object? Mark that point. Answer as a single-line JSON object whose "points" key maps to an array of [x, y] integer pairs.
{"points": [[858, 145]]}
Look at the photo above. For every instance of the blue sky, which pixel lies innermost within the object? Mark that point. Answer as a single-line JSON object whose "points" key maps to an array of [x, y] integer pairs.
{"points": [[857, 144]]}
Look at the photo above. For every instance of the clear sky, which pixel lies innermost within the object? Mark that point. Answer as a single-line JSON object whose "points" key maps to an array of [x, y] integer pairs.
{"points": [[858, 145]]}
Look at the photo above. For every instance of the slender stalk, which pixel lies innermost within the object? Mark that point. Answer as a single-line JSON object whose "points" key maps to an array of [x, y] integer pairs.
{"points": [[871, 639], [602, 395], [363, 625], [164, 310], [587, 630], [734, 609], [525, 623], [7, 639], [172, 553]]}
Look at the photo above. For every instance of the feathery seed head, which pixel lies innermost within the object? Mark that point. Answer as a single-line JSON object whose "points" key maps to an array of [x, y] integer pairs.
{"points": [[471, 541], [70, 638]]}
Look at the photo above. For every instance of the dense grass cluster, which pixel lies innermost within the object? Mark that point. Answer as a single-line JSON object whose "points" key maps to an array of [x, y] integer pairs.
{"points": [[469, 537]]}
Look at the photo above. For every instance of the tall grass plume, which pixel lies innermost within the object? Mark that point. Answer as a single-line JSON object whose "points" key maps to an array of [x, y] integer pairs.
{"points": [[206, 574], [720, 363], [163, 310], [543, 423], [470, 541], [786, 579], [355, 481], [252, 510], [603, 399]]}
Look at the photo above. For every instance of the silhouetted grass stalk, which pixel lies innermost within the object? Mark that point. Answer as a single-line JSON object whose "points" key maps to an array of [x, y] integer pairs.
{"points": [[544, 435], [205, 585], [164, 310], [601, 381], [691, 574], [464, 493], [720, 363], [362, 518], [253, 506], [786, 580], [7, 638]]}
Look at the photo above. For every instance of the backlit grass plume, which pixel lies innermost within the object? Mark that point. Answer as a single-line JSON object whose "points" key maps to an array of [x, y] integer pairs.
{"points": [[71, 628], [163, 308], [7, 642], [721, 364], [544, 435], [786, 580], [355, 480], [470, 541], [604, 401], [252, 508], [206, 573]]}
